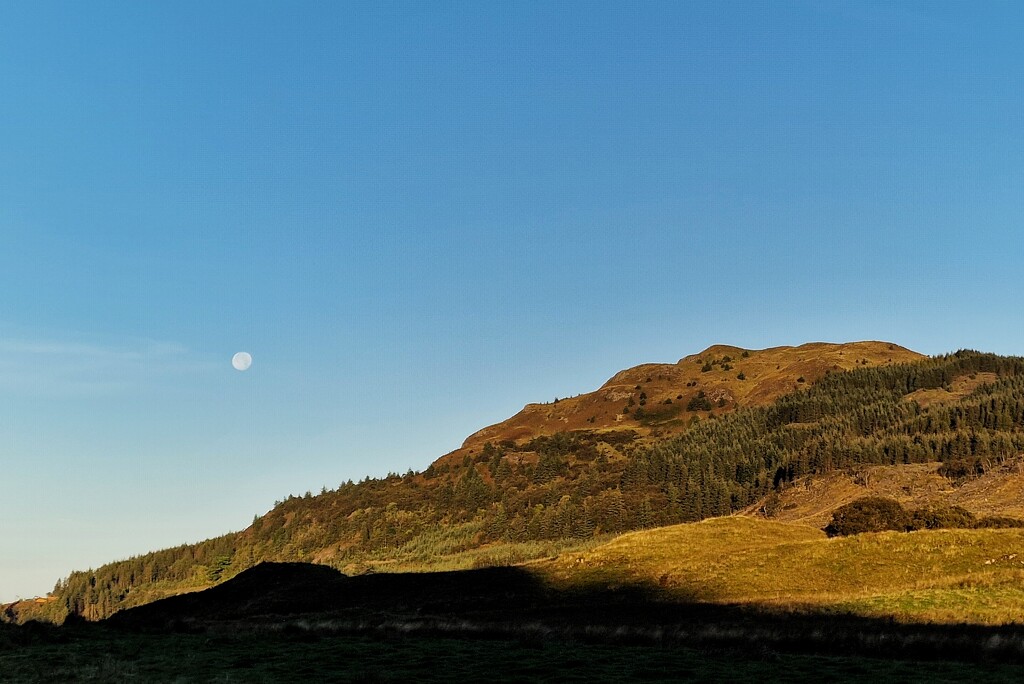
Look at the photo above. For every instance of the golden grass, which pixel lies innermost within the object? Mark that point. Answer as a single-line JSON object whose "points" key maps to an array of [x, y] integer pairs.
{"points": [[938, 576], [958, 389], [491, 555], [812, 500], [768, 374]]}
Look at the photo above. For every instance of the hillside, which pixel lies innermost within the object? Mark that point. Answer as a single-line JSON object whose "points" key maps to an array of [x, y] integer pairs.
{"points": [[811, 500], [512, 501], [752, 579], [651, 399], [729, 561], [927, 576]]}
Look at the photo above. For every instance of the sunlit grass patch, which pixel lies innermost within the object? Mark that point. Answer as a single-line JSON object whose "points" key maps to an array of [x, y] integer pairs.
{"points": [[935, 575]]}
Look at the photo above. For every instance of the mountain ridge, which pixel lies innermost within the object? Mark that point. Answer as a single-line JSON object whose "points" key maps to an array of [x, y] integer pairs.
{"points": [[603, 407], [511, 501]]}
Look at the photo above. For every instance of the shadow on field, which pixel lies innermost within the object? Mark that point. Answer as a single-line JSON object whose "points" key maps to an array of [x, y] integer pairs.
{"points": [[503, 603]]}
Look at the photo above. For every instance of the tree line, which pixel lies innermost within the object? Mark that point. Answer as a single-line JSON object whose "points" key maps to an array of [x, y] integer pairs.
{"points": [[585, 483]]}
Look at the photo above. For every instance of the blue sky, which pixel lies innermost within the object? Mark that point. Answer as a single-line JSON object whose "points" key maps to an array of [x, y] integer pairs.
{"points": [[418, 217]]}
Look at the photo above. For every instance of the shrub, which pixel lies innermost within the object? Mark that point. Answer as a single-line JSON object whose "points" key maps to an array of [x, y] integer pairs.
{"points": [[999, 522], [699, 403], [705, 368], [741, 376], [961, 469], [870, 514], [942, 517]]}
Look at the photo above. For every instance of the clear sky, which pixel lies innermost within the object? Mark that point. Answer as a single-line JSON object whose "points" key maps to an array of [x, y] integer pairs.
{"points": [[418, 217]]}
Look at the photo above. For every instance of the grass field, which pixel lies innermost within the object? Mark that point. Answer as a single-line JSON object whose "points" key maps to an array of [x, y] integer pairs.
{"points": [[950, 576], [726, 599], [454, 548], [297, 655]]}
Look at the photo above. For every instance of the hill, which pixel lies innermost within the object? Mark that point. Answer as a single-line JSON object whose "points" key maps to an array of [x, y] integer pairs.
{"points": [[728, 599], [652, 398], [951, 576], [737, 589], [515, 500], [811, 500]]}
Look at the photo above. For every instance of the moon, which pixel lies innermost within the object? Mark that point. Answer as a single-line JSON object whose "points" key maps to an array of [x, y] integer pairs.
{"points": [[241, 361]]}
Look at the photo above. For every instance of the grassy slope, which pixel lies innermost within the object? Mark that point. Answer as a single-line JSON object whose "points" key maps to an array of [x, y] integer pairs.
{"points": [[768, 374], [812, 500], [949, 576], [944, 575], [443, 545]]}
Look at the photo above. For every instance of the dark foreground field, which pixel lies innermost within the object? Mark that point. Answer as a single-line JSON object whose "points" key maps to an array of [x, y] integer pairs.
{"points": [[294, 654], [294, 622]]}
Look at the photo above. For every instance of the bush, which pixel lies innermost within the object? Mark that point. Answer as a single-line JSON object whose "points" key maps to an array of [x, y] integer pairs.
{"points": [[699, 403], [870, 514], [942, 517], [877, 514], [999, 522], [961, 469]]}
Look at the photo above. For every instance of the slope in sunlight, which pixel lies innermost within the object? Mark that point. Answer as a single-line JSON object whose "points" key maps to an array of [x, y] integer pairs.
{"points": [[655, 397], [515, 500], [932, 575]]}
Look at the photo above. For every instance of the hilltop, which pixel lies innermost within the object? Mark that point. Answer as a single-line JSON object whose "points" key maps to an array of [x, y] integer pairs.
{"points": [[858, 406], [652, 398]]}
